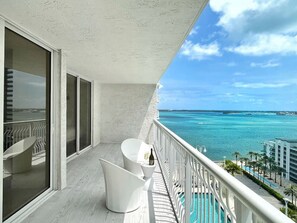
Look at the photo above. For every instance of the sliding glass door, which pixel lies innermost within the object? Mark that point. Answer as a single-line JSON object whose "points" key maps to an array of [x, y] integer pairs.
{"points": [[71, 114], [78, 114], [85, 114], [26, 136]]}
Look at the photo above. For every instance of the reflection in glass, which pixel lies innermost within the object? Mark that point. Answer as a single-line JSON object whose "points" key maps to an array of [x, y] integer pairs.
{"points": [[71, 114], [85, 114], [26, 122]]}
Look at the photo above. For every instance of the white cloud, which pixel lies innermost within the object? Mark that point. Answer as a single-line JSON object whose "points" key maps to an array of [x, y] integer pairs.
{"points": [[256, 16], [260, 85], [231, 64], [259, 27], [198, 51], [269, 63], [260, 45], [159, 86], [37, 84], [231, 95], [239, 74], [214, 35], [256, 101], [193, 31], [230, 10]]}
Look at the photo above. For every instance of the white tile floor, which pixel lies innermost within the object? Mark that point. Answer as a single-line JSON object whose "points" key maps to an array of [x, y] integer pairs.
{"points": [[83, 200]]}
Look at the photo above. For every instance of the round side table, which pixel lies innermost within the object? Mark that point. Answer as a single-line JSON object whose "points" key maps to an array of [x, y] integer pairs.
{"points": [[148, 170]]}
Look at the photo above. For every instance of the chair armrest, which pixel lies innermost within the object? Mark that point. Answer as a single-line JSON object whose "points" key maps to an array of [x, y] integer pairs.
{"points": [[10, 155]]}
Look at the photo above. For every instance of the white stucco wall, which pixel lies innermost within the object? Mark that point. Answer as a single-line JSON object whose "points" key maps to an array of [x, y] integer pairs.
{"points": [[127, 110], [59, 118], [96, 112]]}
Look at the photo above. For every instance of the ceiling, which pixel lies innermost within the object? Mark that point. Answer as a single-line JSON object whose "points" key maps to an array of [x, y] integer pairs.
{"points": [[113, 41]]}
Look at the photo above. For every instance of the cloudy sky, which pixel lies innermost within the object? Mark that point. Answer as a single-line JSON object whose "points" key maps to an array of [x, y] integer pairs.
{"points": [[240, 55], [28, 90]]}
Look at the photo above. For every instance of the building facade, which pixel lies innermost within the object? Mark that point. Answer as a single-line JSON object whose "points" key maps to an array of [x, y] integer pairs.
{"points": [[284, 152]]}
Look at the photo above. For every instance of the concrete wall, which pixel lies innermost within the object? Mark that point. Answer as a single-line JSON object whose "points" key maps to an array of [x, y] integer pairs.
{"points": [[60, 119], [127, 110], [96, 112]]}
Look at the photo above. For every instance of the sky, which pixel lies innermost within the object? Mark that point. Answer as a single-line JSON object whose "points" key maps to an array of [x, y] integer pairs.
{"points": [[240, 55], [28, 90]]}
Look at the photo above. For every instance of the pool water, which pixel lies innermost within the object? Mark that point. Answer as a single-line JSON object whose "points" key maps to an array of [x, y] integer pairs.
{"points": [[260, 177], [199, 203]]}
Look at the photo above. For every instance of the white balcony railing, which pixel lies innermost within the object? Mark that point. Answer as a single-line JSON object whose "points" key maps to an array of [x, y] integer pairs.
{"points": [[201, 191], [16, 131]]}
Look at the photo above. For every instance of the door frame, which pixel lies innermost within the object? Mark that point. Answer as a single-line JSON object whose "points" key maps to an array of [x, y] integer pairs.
{"points": [[78, 150], [56, 55]]}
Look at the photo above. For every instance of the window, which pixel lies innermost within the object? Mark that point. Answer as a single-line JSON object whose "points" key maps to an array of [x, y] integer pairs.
{"points": [[85, 114], [26, 122], [78, 121]]}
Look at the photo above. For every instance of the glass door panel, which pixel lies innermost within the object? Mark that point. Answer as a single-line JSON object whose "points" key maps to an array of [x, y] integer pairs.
{"points": [[85, 114], [71, 114], [26, 148]]}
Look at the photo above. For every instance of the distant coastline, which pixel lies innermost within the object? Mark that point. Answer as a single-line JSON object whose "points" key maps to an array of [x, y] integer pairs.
{"points": [[224, 132], [28, 109], [226, 112], [26, 114]]}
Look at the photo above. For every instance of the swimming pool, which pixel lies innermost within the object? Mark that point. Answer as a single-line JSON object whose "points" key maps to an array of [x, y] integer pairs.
{"points": [[268, 182], [199, 203]]}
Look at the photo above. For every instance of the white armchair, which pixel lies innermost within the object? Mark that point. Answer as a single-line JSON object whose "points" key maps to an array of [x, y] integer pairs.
{"points": [[123, 189], [133, 151], [18, 157]]}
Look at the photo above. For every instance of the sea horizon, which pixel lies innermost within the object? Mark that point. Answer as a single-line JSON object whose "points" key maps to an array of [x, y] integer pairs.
{"points": [[224, 132], [224, 110]]}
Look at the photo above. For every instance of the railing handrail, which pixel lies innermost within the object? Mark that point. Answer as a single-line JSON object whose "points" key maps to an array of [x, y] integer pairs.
{"points": [[22, 122], [18, 130], [249, 198]]}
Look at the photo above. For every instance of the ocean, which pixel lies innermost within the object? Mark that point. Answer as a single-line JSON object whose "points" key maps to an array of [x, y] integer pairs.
{"points": [[223, 133], [27, 115]]}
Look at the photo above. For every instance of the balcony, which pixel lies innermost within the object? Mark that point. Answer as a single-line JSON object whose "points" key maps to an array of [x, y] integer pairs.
{"points": [[22, 186], [199, 190], [84, 198], [16, 131]]}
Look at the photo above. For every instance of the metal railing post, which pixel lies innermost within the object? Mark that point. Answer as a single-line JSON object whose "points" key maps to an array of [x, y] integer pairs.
{"points": [[30, 129], [217, 191], [188, 187], [18, 130], [171, 167], [243, 214]]}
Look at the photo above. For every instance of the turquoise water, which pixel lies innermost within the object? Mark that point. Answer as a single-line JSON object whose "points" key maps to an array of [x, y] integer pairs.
{"points": [[255, 174], [198, 208], [223, 134]]}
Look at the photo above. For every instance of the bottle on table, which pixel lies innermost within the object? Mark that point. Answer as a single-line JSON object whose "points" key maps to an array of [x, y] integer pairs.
{"points": [[151, 158]]}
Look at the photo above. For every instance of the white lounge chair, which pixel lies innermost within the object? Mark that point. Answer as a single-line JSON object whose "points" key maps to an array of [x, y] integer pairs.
{"points": [[123, 189], [18, 157], [134, 151]]}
